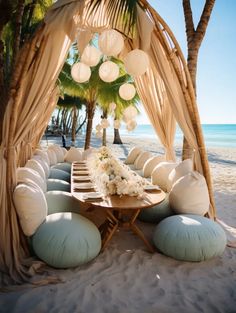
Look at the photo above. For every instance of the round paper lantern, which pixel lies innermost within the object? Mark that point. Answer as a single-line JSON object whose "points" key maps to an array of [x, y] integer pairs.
{"points": [[127, 91], [129, 113], [111, 42], [112, 106], [104, 123], [116, 124], [109, 71], [91, 56], [98, 127], [131, 125], [136, 62], [80, 72]]}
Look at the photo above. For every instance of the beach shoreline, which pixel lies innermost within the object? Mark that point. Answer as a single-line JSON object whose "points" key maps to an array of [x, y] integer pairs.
{"points": [[125, 278]]}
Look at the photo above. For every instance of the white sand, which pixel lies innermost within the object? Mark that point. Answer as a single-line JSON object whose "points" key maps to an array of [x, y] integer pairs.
{"points": [[125, 278]]}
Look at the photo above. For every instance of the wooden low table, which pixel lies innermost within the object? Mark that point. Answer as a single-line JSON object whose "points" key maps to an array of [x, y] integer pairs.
{"points": [[121, 211]]}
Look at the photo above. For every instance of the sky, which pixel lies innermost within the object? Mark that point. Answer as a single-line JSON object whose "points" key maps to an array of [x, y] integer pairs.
{"points": [[216, 81]]}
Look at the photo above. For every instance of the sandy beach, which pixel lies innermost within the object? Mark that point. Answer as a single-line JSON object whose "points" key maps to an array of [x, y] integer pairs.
{"points": [[125, 278]]}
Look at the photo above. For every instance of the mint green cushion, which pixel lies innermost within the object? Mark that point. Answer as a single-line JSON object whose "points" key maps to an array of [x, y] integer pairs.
{"points": [[66, 240], [189, 237], [57, 184], [63, 166], [59, 174], [156, 213], [61, 201]]}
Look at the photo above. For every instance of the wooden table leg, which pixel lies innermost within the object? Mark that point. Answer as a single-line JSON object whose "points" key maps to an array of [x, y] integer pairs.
{"points": [[111, 226]]}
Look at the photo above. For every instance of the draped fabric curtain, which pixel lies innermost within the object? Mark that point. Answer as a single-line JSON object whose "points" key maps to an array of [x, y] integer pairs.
{"points": [[33, 97], [152, 93]]}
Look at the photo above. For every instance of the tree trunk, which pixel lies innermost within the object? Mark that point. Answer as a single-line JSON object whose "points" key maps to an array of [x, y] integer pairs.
{"points": [[194, 40], [74, 122], [17, 31], [117, 140], [81, 125], [90, 114], [104, 131]]}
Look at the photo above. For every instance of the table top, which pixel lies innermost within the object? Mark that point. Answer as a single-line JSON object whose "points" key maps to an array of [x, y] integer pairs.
{"points": [[146, 200]]}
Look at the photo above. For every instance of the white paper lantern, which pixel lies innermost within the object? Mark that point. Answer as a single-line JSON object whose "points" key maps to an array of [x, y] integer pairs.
{"points": [[111, 42], [131, 125], [109, 71], [99, 134], [104, 123], [116, 124], [129, 113], [112, 107], [98, 127], [136, 62], [127, 91], [91, 56], [80, 72]]}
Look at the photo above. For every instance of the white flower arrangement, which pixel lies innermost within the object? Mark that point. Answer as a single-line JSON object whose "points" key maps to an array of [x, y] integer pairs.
{"points": [[112, 177]]}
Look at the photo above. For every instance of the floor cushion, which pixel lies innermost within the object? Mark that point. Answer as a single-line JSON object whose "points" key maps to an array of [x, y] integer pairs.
{"points": [[182, 169], [52, 157], [156, 213], [73, 155], [24, 174], [66, 240], [160, 174], [43, 163], [57, 184], [189, 238], [35, 165], [141, 159], [58, 151], [63, 166], [151, 163], [61, 201], [43, 154], [59, 174], [189, 195]]}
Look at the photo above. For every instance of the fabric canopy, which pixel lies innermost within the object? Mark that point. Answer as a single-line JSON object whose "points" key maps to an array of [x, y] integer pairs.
{"points": [[166, 92]]}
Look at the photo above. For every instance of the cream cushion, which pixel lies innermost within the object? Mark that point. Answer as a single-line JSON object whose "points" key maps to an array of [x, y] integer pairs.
{"points": [[141, 159], [35, 165], [63, 150], [86, 153], [44, 164], [43, 155], [180, 170], [73, 155], [150, 164], [189, 195], [132, 156], [31, 207], [59, 152], [25, 175], [52, 156], [160, 174]]}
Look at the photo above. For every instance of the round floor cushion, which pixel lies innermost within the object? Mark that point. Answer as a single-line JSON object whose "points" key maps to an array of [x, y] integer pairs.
{"points": [[66, 240], [156, 213], [189, 237]]}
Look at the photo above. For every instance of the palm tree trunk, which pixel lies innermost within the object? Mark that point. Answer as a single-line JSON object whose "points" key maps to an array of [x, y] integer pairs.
{"points": [[17, 31], [194, 40], [74, 122], [81, 125], [104, 131], [117, 140], [90, 114]]}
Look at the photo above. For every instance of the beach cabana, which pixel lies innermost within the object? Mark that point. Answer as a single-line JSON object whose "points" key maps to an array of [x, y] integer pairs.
{"points": [[165, 89]]}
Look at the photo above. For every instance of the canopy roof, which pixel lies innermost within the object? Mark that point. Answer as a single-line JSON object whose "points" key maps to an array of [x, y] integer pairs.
{"points": [[165, 89]]}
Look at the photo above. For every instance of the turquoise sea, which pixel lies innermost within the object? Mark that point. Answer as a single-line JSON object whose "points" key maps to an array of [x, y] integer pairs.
{"points": [[216, 135]]}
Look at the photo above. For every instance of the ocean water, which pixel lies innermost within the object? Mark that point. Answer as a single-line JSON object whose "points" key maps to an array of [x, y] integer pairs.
{"points": [[216, 135]]}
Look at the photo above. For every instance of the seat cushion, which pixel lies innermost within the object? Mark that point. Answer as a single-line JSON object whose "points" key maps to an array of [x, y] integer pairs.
{"points": [[182, 169], [43, 154], [58, 151], [35, 165], [31, 206], [156, 213], [151, 163], [160, 174], [63, 166], [189, 238], [132, 156], [59, 174], [189, 195], [66, 240], [73, 155], [141, 159], [43, 163], [25, 175], [57, 184], [61, 201]]}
